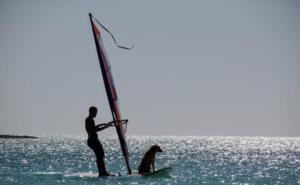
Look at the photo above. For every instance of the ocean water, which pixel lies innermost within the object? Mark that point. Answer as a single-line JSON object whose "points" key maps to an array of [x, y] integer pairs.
{"points": [[195, 160]]}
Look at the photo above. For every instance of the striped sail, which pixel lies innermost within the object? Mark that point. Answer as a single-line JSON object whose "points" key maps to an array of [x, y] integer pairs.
{"points": [[110, 91]]}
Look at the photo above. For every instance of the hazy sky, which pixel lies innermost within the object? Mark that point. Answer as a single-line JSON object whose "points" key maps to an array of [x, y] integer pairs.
{"points": [[209, 67]]}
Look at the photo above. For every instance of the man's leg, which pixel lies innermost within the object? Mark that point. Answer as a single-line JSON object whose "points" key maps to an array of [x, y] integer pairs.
{"points": [[99, 153], [101, 166], [100, 161]]}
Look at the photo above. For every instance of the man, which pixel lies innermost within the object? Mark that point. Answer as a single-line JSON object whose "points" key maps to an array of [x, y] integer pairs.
{"points": [[93, 141]]}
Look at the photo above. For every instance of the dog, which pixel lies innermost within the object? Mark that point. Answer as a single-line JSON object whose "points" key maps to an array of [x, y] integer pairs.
{"points": [[148, 160]]}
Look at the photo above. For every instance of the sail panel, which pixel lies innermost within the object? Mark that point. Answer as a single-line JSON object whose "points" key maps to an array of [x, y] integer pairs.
{"points": [[110, 91]]}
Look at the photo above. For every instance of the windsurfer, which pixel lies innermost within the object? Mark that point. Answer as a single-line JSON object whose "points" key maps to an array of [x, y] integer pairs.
{"points": [[93, 141]]}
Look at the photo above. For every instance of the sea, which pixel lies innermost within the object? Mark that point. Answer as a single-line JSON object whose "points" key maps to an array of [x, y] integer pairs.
{"points": [[193, 159]]}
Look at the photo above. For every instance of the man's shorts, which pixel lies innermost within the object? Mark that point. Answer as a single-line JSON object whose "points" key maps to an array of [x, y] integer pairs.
{"points": [[96, 146]]}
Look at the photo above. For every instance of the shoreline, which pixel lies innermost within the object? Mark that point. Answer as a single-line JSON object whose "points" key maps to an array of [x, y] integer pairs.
{"points": [[4, 136]]}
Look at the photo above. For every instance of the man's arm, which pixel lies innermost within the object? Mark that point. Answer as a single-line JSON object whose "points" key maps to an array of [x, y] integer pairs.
{"points": [[103, 126]]}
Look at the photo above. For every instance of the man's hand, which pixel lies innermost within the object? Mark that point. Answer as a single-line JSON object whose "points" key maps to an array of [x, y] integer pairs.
{"points": [[109, 124], [112, 123], [101, 125]]}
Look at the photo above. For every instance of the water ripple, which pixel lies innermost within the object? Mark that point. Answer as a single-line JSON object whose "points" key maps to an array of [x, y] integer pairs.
{"points": [[195, 160]]}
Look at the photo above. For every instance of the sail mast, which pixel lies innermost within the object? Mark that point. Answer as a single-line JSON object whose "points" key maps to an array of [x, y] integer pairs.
{"points": [[110, 92]]}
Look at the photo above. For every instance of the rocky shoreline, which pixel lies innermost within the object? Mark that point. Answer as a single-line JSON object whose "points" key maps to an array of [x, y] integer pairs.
{"points": [[16, 137]]}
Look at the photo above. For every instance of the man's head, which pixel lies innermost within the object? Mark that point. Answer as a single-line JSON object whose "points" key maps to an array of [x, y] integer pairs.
{"points": [[93, 111]]}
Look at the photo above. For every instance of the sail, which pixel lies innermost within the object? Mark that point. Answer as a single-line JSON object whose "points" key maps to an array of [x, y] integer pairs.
{"points": [[110, 91]]}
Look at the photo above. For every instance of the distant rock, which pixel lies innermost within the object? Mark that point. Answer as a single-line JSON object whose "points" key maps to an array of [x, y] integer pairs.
{"points": [[16, 137]]}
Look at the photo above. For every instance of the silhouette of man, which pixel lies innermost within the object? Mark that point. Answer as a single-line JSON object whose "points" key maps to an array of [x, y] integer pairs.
{"points": [[93, 141]]}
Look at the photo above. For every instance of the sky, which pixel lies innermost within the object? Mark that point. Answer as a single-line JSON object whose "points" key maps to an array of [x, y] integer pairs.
{"points": [[205, 68]]}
